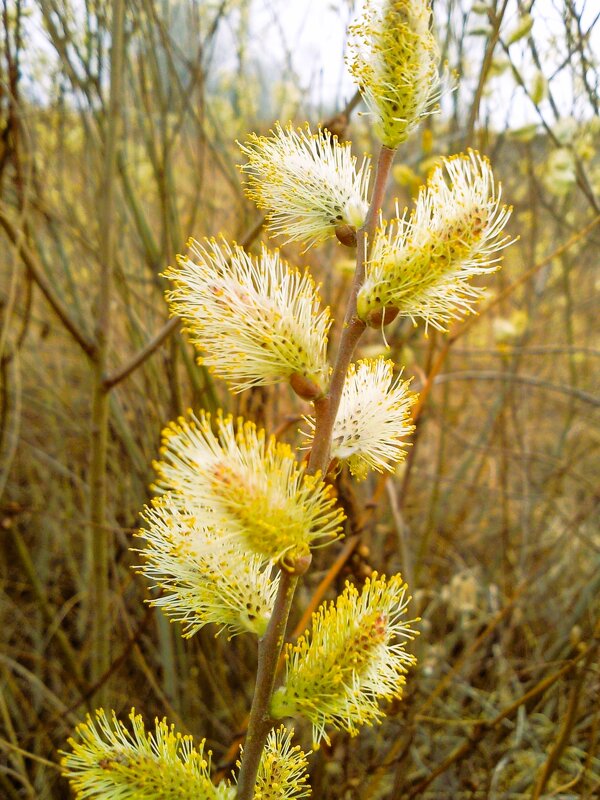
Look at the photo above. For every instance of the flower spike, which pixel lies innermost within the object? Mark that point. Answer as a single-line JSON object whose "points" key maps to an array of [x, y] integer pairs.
{"points": [[336, 674], [308, 183], [109, 760], [282, 771], [256, 320], [422, 265], [204, 578], [394, 59], [373, 421], [248, 488]]}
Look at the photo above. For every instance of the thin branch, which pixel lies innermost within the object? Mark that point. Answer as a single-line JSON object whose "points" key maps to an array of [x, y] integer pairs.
{"points": [[492, 375], [37, 271], [488, 725], [98, 538], [125, 371], [327, 407], [496, 22], [269, 649], [402, 532], [10, 416]]}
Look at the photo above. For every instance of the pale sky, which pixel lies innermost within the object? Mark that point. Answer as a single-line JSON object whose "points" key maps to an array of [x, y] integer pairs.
{"points": [[309, 36]]}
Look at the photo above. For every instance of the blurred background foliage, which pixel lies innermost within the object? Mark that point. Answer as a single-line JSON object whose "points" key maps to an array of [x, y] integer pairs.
{"points": [[494, 517]]}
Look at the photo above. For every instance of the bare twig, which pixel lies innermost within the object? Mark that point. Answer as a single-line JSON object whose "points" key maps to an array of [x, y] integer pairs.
{"points": [[99, 540], [488, 725], [570, 719], [496, 23], [326, 409], [530, 380], [269, 649], [143, 355], [37, 271]]}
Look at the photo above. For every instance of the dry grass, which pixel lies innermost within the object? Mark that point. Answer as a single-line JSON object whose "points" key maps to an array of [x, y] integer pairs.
{"points": [[494, 518]]}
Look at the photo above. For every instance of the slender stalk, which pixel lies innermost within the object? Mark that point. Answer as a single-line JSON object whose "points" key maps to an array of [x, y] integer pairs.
{"points": [[327, 407], [98, 529], [269, 649], [496, 22], [138, 359], [270, 646], [37, 272]]}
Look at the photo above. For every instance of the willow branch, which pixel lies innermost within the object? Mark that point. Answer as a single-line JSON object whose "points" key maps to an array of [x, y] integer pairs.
{"points": [[530, 380], [326, 408], [98, 535], [37, 272], [143, 355], [269, 650], [496, 21]]}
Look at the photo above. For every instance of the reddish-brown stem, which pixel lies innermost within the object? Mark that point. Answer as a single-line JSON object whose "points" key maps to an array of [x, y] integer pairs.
{"points": [[326, 408], [270, 646], [384, 164], [269, 649]]}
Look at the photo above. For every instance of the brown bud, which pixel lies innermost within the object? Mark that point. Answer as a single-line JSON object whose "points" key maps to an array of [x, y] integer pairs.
{"points": [[296, 564], [382, 316], [337, 125], [304, 387], [346, 234]]}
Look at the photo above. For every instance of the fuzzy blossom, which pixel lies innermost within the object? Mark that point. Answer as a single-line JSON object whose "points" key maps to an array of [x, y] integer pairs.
{"points": [[204, 578], [353, 658], [308, 183], [256, 320], [394, 59], [373, 421], [422, 265], [282, 770], [108, 759], [248, 487]]}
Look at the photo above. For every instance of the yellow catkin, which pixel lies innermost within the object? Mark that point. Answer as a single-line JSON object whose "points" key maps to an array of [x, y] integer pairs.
{"points": [[394, 59]]}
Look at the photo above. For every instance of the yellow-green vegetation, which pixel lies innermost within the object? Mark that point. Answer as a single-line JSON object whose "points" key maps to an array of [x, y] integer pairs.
{"points": [[353, 656], [492, 518]]}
